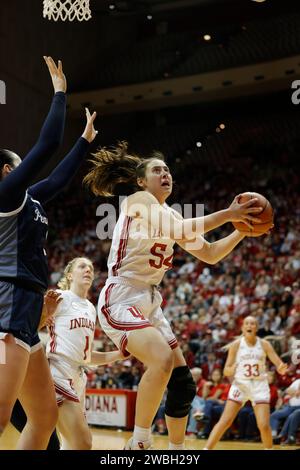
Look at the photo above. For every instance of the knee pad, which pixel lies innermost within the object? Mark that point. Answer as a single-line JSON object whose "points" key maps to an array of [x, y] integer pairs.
{"points": [[181, 391]]}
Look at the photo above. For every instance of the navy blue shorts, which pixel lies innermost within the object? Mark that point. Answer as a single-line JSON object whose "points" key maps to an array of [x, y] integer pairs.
{"points": [[20, 313]]}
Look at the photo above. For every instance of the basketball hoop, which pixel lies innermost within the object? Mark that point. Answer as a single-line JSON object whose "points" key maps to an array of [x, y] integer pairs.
{"points": [[67, 10]]}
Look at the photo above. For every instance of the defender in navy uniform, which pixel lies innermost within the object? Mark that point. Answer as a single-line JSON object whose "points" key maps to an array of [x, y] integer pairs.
{"points": [[24, 371]]}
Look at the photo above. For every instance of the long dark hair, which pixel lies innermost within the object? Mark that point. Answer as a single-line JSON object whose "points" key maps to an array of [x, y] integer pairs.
{"points": [[116, 167], [7, 157]]}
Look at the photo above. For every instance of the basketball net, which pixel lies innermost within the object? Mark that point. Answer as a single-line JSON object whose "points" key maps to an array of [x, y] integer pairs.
{"points": [[67, 10]]}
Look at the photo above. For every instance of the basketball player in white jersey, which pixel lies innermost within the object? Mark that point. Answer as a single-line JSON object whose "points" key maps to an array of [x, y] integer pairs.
{"points": [[246, 363], [70, 348], [141, 252]]}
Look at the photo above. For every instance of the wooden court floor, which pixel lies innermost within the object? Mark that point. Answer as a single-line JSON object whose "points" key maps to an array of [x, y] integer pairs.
{"points": [[104, 439]]}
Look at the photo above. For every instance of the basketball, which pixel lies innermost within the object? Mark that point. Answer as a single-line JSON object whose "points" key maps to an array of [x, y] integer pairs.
{"points": [[266, 216]]}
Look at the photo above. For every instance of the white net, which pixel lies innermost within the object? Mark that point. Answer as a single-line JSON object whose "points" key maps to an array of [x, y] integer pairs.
{"points": [[67, 10]]}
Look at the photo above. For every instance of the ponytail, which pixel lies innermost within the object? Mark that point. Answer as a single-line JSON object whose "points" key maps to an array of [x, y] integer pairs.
{"points": [[116, 167], [65, 283], [110, 168]]}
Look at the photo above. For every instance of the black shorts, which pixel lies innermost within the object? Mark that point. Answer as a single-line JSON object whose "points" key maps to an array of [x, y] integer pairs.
{"points": [[20, 313]]}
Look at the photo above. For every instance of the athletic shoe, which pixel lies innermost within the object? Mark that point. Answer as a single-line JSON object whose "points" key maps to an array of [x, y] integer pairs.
{"points": [[139, 446]]}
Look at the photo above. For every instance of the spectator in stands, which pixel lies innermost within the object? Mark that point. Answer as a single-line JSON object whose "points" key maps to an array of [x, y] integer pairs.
{"points": [[215, 393], [266, 330], [197, 409], [205, 277], [290, 428], [219, 332], [126, 377], [293, 396]]}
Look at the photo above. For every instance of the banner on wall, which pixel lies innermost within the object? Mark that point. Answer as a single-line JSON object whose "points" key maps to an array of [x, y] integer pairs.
{"points": [[105, 407]]}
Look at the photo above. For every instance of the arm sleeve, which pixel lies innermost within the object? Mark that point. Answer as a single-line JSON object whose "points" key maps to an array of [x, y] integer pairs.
{"points": [[48, 188], [14, 186]]}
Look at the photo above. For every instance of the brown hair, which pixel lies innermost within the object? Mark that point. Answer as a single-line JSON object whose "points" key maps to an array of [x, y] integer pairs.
{"points": [[115, 166]]}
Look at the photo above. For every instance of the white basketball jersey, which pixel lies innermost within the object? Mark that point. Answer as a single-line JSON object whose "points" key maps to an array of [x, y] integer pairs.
{"points": [[136, 255], [251, 361], [73, 332]]}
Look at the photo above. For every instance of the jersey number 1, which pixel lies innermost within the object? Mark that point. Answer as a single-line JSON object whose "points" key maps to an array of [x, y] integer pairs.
{"points": [[86, 348]]}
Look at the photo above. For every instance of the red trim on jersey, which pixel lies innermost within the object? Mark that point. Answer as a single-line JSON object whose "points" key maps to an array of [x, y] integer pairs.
{"points": [[123, 326], [123, 344], [137, 310], [127, 326], [235, 401], [53, 338], [173, 343], [61, 391], [126, 241], [262, 402], [59, 400], [122, 244]]}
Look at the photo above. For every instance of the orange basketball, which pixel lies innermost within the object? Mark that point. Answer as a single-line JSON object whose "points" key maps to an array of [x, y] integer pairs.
{"points": [[266, 216]]}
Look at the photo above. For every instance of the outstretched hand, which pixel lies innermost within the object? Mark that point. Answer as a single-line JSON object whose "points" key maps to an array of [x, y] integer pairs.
{"points": [[52, 299], [57, 75], [89, 132]]}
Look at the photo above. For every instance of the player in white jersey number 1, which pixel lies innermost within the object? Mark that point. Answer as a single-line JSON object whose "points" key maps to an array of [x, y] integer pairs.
{"points": [[246, 363], [141, 252], [70, 348]]}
